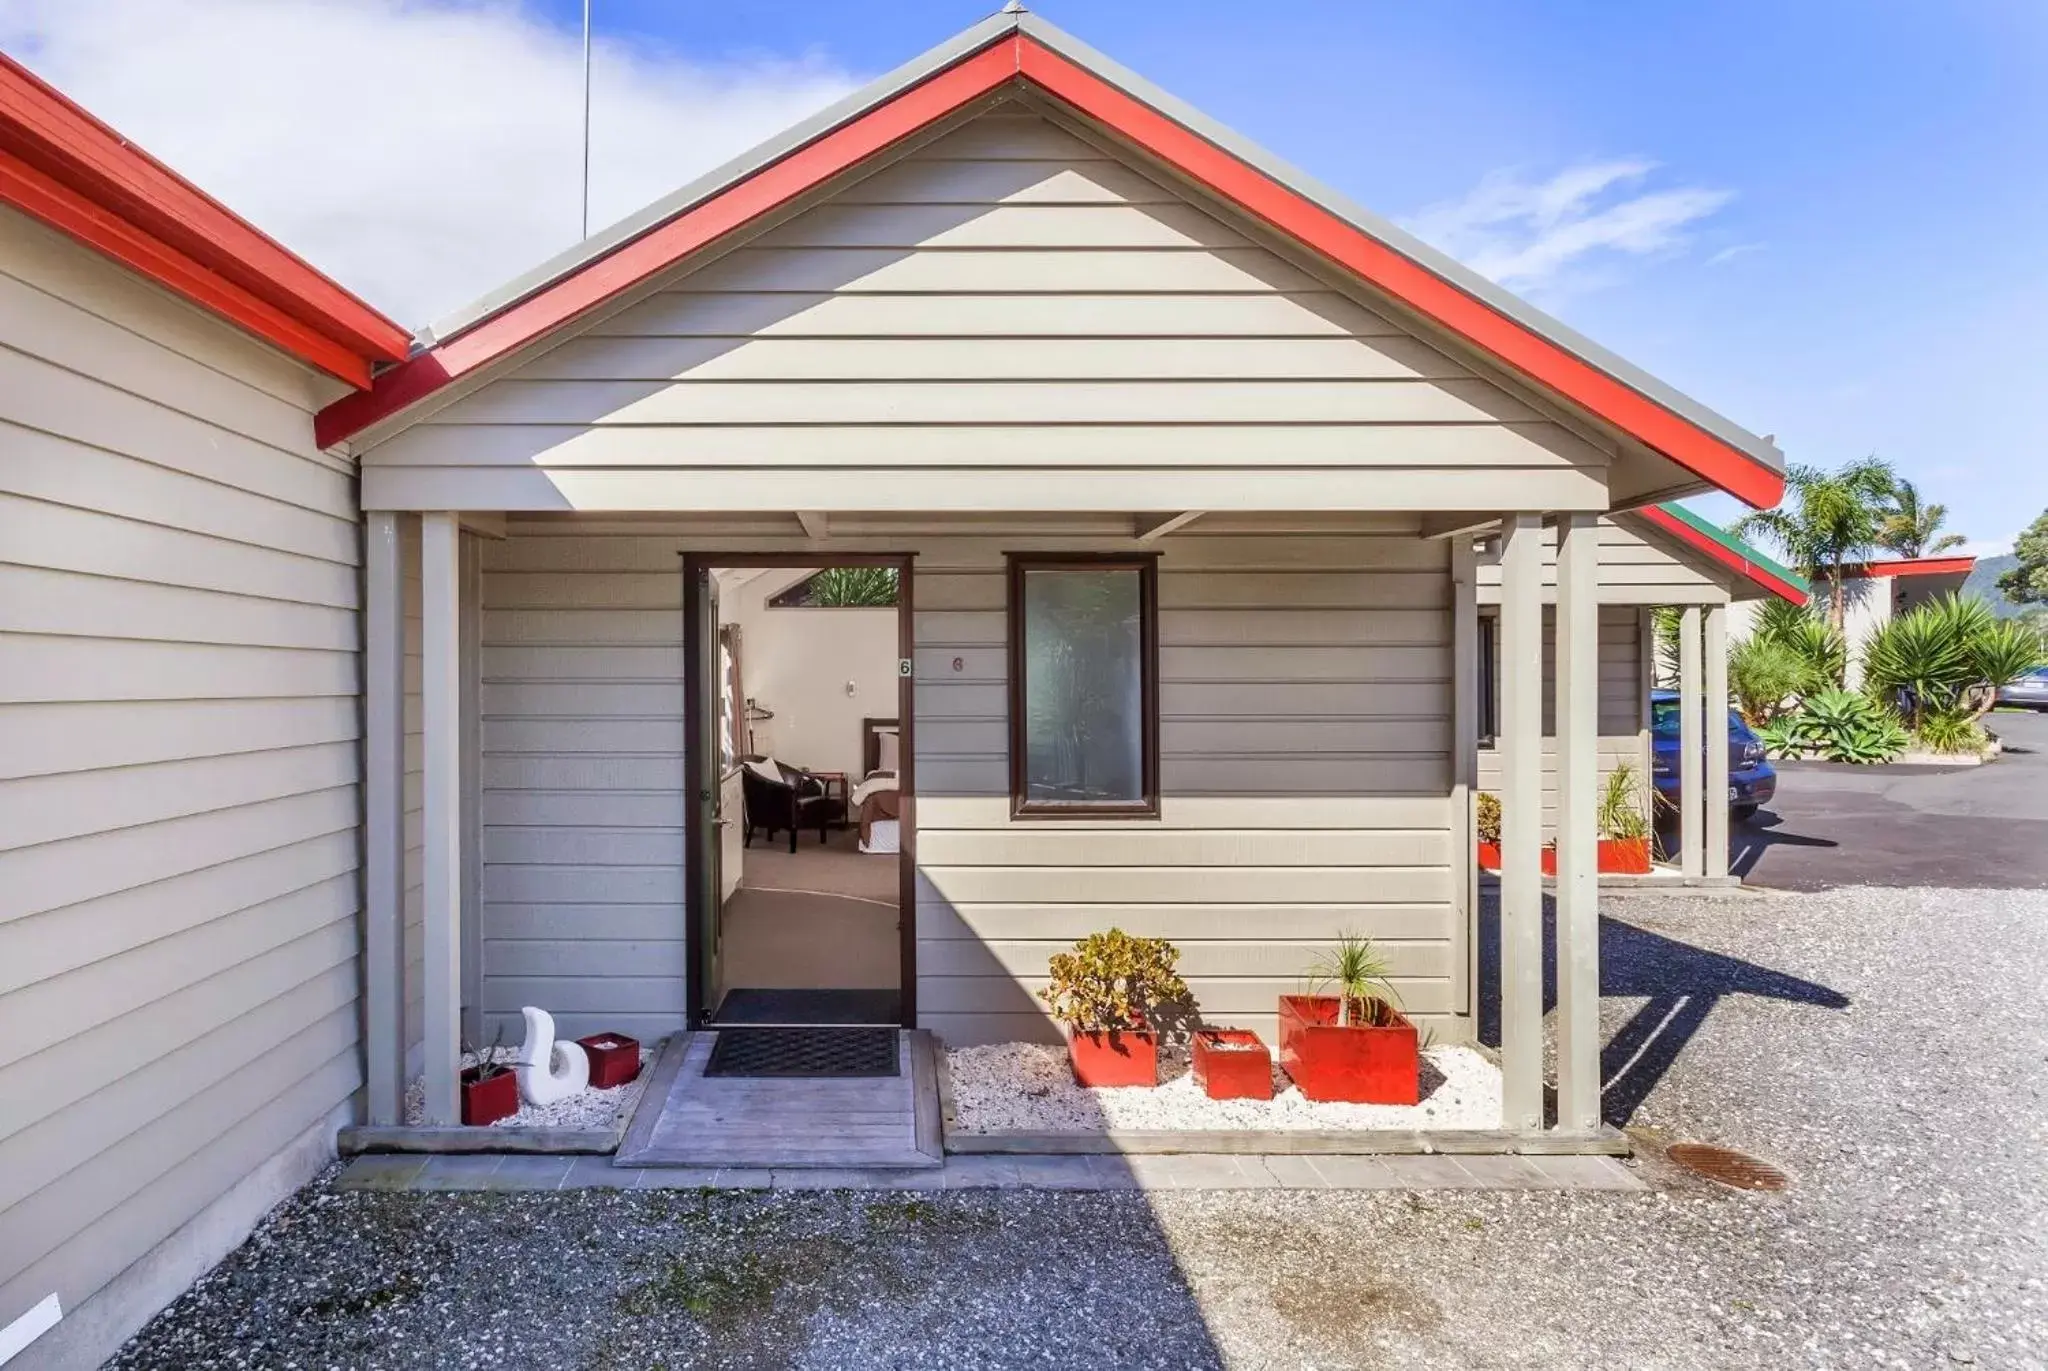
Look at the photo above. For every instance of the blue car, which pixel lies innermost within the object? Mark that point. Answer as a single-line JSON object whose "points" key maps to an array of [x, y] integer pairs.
{"points": [[1751, 781]]}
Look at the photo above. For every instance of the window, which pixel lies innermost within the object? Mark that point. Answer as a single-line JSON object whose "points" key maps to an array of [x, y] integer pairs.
{"points": [[732, 726], [1084, 686], [1489, 685]]}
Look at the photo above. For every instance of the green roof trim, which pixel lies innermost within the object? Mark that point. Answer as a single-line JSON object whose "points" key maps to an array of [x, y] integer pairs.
{"points": [[1754, 560]]}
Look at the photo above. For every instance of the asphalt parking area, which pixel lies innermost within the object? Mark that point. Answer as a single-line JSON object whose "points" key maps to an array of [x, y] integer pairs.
{"points": [[1960, 827]]}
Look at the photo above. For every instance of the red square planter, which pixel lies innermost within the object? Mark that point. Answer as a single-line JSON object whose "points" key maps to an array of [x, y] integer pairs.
{"points": [[1232, 1064], [1361, 1064], [486, 1102], [1489, 856], [1625, 856], [614, 1059], [1128, 1056]]}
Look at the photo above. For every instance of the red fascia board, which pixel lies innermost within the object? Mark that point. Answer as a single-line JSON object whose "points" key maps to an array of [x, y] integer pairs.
{"points": [[660, 248], [1722, 553], [47, 131], [1405, 280], [1914, 566], [65, 210]]}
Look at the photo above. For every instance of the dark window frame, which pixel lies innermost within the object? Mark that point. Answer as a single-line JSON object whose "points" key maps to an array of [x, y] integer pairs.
{"points": [[1146, 565]]}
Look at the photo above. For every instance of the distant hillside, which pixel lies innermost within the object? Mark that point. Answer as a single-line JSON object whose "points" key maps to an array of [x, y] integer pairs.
{"points": [[1984, 581]]}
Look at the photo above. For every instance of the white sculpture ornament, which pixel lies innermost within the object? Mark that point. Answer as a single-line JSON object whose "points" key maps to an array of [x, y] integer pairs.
{"points": [[548, 1070]]}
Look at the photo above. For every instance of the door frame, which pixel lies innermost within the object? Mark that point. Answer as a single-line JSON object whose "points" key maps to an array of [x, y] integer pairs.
{"points": [[696, 833]]}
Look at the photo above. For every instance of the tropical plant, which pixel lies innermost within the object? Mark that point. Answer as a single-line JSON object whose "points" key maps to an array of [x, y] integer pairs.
{"points": [[1833, 520], [1912, 529], [841, 587], [1952, 730], [1781, 736], [1848, 726], [1664, 627], [1621, 813], [1822, 651], [1487, 817], [1112, 981], [1358, 972], [2027, 582], [1763, 673], [1948, 655]]}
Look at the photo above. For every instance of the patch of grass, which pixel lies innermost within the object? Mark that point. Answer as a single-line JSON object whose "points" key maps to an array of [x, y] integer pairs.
{"points": [[916, 1213], [711, 1292]]}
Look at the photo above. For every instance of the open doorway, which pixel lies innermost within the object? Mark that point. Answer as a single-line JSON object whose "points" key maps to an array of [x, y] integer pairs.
{"points": [[798, 711]]}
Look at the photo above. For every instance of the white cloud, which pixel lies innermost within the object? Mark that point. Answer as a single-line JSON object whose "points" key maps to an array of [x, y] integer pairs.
{"points": [[1543, 235], [420, 151], [1730, 253]]}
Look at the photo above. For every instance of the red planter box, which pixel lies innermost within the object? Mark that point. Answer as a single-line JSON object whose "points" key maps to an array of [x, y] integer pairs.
{"points": [[1617, 857], [1232, 1064], [1625, 856], [1128, 1056], [1361, 1064], [614, 1059], [486, 1102]]}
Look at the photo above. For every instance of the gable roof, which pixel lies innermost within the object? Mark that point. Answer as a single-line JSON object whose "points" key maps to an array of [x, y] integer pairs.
{"points": [[1015, 48], [1726, 549], [1914, 566], [64, 168]]}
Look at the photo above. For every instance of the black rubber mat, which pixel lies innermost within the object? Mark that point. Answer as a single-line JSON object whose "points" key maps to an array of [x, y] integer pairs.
{"points": [[787, 1052], [805, 1007]]}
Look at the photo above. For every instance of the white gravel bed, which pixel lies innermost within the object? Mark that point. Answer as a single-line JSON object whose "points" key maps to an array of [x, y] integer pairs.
{"points": [[584, 1109], [1029, 1088]]}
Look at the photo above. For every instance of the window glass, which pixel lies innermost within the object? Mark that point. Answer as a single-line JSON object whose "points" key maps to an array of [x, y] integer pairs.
{"points": [[1083, 692]]}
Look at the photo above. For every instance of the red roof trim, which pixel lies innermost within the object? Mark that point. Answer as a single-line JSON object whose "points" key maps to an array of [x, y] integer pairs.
{"points": [[1722, 553], [1914, 566], [67, 169], [1228, 176]]}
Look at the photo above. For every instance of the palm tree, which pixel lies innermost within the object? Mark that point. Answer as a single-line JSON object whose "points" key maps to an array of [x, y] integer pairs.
{"points": [[1912, 529], [1834, 520]]}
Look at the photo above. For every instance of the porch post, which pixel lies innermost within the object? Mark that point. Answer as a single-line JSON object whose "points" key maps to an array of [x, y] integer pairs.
{"points": [[1715, 797], [1464, 765], [1521, 875], [441, 818], [1691, 775], [383, 822], [1578, 779]]}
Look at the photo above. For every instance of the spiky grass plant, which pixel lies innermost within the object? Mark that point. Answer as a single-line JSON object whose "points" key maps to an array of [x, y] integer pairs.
{"points": [[1358, 971]]}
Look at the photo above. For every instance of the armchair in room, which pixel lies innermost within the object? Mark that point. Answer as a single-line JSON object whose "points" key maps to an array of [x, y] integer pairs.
{"points": [[780, 797]]}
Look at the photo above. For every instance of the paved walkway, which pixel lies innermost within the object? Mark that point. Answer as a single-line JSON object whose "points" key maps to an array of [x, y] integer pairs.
{"points": [[1148, 1173]]}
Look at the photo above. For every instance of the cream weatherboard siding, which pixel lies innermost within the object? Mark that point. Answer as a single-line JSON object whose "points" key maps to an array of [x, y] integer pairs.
{"points": [[1637, 567], [1005, 299], [1624, 735], [178, 783], [1305, 759]]}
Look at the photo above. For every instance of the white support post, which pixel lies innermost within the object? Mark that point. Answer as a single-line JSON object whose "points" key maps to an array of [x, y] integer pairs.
{"points": [[1521, 875], [441, 819], [1691, 774], [383, 819], [1464, 765], [1715, 650], [1578, 780]]}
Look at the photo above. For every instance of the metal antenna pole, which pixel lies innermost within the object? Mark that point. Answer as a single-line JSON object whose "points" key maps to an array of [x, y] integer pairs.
{"points": [[586, 118]]}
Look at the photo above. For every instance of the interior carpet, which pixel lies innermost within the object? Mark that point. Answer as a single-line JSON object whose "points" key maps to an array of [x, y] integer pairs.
{"points": [[804, 1007], [788, 1052]]}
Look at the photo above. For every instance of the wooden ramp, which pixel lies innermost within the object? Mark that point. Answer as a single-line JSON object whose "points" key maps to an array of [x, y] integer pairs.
{"points": [[689, 1119]]}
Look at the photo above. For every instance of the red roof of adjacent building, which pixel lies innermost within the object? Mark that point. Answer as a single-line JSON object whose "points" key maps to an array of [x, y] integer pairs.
{"points": [[60, 165]]}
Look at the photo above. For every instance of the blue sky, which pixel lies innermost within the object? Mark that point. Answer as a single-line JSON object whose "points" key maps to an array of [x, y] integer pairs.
{"points": [[1826, 219]]}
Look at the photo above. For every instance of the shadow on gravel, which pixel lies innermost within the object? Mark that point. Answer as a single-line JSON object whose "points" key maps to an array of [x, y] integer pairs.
{"points": [[1678, 983]]}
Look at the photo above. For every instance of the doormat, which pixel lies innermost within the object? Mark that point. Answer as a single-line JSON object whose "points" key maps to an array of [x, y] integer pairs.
{"points": [[803, 1052], [804, 1008]]}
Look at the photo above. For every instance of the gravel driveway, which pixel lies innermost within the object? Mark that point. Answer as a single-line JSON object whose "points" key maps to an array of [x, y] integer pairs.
{"points": [[1884, 1046]]}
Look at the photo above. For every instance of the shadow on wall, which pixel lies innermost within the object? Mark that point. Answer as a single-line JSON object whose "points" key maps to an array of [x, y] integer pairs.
{"points": [[1678, 983]]}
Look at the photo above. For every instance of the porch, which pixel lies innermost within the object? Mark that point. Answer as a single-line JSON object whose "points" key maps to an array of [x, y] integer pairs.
{"points": [[1317, 702]]}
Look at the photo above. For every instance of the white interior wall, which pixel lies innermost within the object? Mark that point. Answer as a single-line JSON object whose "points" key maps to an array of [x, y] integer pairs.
{"points": [[821, 670]]}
